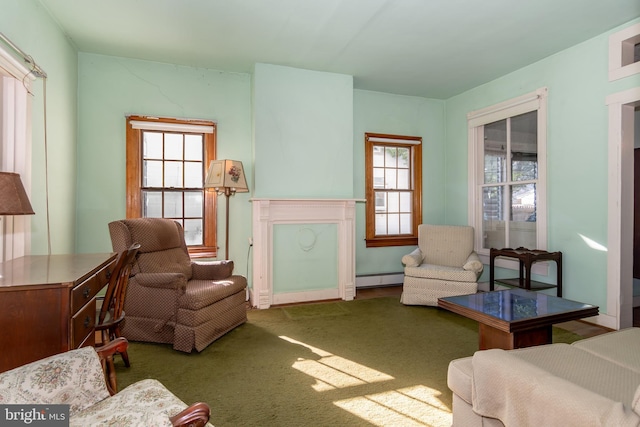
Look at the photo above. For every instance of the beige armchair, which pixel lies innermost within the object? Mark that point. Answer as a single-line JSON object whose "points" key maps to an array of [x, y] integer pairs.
{"points": [[443, 264], [170, 298]]}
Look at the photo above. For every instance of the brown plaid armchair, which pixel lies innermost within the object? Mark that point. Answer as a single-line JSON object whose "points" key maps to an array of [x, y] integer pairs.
{"points": [[172, 299]]}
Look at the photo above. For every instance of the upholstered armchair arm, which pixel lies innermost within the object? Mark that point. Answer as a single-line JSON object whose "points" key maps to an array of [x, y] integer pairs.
{"points": [[473, 263], [211, 270], [196, 415], [413, 259], [162, 280]]}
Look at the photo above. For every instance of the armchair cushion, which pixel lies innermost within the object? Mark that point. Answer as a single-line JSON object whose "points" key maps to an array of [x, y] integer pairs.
{"points": [[440, 272], [212, 270], [162, 280], [448, 245], [144, 403]]}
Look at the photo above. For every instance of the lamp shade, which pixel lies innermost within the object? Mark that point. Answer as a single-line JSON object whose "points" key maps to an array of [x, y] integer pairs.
{"points": [[13, 197], [226, 174]]}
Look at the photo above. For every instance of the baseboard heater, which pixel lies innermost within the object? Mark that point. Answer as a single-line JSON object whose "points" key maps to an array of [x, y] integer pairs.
{"points": [[374, 280]]}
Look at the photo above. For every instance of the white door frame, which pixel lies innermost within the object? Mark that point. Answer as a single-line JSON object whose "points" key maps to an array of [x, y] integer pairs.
{"points": [[620, 210]]}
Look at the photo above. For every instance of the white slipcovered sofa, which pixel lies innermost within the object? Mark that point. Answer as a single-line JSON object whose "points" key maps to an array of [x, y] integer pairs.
{"points": [[592, 382], [76, 378]]}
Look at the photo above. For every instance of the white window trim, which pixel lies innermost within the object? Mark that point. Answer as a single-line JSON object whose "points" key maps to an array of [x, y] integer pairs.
{"points": [[15, 134], [536, 100], [620, 47]]}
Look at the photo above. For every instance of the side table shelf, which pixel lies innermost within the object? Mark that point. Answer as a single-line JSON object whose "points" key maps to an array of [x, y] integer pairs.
{"points": [[526, 257]]}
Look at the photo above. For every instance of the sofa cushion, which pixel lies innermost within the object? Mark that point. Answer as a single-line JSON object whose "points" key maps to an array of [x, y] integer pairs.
{"points": [[445, 244], [548, 389], [621, 347]]}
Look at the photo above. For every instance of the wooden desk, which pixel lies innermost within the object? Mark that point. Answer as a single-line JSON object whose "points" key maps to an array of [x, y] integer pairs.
{"points": [[48, 305]]}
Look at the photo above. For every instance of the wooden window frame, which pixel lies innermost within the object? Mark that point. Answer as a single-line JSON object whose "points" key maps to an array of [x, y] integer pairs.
{"points": [[134, 180], [414, 143]]}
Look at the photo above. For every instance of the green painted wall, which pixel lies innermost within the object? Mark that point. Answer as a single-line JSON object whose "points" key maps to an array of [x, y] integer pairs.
{"points": [[303, 123], [577, 80], [111, 88], [29, 26], [399, 115]]}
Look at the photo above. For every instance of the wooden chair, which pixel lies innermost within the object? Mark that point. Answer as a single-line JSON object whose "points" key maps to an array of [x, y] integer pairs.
{"points": [[111, 312]]}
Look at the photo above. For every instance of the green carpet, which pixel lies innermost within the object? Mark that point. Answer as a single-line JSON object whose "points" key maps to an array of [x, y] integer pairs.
{"points": [[349, 363]]}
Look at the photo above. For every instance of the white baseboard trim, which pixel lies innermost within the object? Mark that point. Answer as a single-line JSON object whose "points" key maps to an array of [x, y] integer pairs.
{"points": [[379, 280], [305, 296]]}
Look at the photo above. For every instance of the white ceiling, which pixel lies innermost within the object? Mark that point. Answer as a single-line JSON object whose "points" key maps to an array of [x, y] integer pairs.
{"points": [[429, 48]]}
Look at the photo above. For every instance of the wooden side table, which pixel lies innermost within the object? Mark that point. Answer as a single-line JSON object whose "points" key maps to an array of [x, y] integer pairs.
{"points": [[526, 257]]}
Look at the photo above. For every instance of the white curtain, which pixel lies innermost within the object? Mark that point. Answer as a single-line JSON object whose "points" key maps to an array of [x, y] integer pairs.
{"points": [[15, 149]]}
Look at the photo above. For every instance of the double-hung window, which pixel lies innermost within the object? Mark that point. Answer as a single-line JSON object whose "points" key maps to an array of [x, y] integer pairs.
{"points": [[507, 164], [393, 189], [166, 163]]}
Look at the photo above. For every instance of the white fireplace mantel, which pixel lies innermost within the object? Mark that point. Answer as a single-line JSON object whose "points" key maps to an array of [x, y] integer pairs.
{"points": [[268, 212]]}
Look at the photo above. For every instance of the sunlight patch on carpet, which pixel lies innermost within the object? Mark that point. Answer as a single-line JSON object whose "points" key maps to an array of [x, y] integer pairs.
{"points": [[417, 406], [332, 372], [308, 311]]}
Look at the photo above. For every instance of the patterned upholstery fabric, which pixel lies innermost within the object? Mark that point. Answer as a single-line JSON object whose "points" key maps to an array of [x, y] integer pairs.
{"points": [[76, 378], [171, 298], [444, 264]]}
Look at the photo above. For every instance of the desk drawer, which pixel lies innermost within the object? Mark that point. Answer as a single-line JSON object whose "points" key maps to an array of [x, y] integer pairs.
{"points": [[83, 324], [85, 291]]}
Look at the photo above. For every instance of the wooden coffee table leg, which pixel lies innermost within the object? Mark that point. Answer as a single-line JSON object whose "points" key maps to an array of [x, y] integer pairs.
{"points": [[490, 337]]}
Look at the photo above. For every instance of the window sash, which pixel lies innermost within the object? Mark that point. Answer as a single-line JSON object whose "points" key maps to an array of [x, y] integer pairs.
{"points": [[138, 193], [393, 189], [535, 101]]}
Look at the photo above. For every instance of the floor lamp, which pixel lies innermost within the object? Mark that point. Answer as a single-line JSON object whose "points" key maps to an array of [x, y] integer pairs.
{"points": [[226, 177]]}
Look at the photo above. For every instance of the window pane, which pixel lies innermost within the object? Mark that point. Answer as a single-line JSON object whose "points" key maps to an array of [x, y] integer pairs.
{"points": [[403, 157], [403, 179], [381, 201], [405, 224], [524, 147], [193, 175], [405, 201], [173, 146], [523, 203], [393, 202], [152, 204], [173, 204], [381, 224], [390, 178], [492, 198], [193, 147], [173, 174], [152, 173], [495, 152], [378, 178], [151, 145], [493, 227], [193, 232], [391, 157], [378, 156], [394, 224], [193, 204]]}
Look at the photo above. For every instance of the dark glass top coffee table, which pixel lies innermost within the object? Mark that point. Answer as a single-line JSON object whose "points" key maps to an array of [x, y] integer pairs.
{"points": [[515, 318]]}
